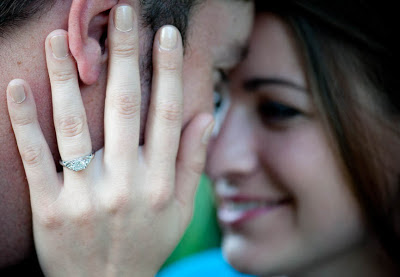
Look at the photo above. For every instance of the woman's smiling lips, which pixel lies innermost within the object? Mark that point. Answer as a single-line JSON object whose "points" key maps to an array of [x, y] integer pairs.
{"points": [[238, 209]]}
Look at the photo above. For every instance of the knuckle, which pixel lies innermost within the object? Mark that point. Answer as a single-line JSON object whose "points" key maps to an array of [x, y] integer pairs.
{"points": [[197, 167], [32, 155], [124, 50], [22, 119], [63, 76], [169, 66], [127, 104], [170, 111], [71, 126], [116, 203], [49, 219], [160, 199]]}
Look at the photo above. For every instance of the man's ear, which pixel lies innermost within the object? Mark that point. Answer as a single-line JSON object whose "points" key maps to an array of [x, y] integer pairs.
{"points": [[87, 28]]}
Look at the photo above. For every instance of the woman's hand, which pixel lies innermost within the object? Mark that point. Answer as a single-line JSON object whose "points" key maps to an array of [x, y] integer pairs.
{"points": [[124, 213]]}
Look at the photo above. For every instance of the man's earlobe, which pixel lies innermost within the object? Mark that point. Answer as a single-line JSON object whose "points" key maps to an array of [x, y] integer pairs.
{"points": [[87, 30]]}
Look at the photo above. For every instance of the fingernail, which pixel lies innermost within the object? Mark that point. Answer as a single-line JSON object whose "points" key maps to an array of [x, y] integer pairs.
{"points": [[169, 38], [17, 93], [124, 18], [59, 46], [207, 134]]}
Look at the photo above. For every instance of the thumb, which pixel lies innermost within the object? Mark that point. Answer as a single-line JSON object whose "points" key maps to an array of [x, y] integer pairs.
{"points": [[191, 158]]}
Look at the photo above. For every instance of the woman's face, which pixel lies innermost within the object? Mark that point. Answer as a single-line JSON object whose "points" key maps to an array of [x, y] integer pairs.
{"points": [[283, 200]]}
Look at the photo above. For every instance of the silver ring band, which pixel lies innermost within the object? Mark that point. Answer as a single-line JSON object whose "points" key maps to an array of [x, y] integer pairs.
{"points": [[78, 164]]}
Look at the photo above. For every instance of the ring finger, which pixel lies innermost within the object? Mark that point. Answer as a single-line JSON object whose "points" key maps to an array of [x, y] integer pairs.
{"points": [[68, 110]]}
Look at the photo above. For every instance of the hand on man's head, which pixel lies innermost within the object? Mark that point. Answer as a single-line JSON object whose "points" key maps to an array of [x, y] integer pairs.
{"points": [[214, 33]]}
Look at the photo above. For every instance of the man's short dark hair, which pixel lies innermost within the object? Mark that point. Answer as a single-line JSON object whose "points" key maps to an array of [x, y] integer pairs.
{"points": [[14, 13], [155, 13]]}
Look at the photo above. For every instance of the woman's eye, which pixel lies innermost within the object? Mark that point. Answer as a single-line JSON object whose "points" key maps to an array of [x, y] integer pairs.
{"points": [[273, 111], [220, 84], [221, 100], [218, 100]]}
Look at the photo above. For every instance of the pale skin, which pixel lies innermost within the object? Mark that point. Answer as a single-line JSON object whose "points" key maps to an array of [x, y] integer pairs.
{"points": [[124, 214]]}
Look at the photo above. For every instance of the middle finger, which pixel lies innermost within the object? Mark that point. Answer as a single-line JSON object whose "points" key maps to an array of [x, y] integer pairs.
{"points": [[122, 107]]}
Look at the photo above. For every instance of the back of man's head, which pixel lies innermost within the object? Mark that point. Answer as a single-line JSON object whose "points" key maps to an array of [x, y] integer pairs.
{"points": [[24, 25]]}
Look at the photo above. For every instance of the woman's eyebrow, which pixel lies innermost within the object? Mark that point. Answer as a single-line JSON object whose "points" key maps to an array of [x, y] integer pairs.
{"points": [[255, 84]]}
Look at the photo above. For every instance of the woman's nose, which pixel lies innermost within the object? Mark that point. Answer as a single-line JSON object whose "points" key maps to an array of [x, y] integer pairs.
{"points": [[233, 151]]}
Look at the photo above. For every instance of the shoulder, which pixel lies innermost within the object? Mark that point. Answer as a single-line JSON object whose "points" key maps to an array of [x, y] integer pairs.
{"points": [[208, 263]]}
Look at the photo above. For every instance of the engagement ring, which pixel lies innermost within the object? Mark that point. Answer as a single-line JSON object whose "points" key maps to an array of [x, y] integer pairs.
{"points": [[78, 164]]}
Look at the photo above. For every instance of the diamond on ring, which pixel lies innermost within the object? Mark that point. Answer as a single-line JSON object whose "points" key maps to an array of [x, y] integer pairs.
{"points": [[78, 164]]}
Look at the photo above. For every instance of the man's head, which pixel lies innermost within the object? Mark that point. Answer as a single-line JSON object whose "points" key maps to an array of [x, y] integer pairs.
{"points": [[215, 33]]}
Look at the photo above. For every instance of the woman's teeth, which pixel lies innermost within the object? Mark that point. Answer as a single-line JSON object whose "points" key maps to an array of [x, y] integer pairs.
{"points": [[248, 205]]}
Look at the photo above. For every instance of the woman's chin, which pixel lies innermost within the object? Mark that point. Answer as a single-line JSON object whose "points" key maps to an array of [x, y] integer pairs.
{"points": [[264, 258], [246, 257]]}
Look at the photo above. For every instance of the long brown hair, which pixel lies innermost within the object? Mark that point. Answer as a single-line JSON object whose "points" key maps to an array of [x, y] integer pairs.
{"points": [[351, 51]]}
